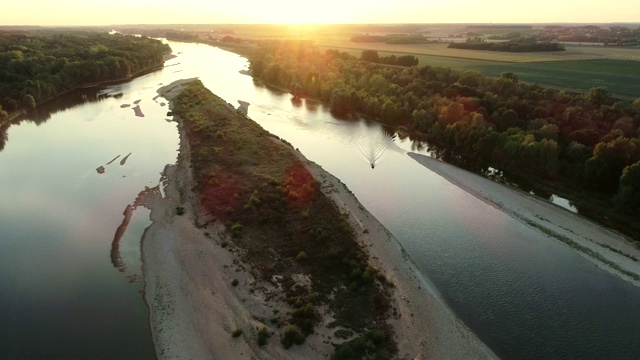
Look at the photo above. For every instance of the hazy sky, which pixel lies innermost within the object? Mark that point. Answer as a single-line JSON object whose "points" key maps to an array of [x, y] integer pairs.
{"points": [[85, 12]]}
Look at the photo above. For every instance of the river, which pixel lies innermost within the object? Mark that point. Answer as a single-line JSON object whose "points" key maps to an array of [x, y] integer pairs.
{"points": [[524, 294]]}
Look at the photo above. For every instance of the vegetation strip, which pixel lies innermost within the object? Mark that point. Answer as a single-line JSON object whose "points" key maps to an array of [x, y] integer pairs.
{"points": [[587, 142], [285, 226], [38, 66]]}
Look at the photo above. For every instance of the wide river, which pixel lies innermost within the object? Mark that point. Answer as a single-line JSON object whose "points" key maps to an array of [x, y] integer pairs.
{"points": [[70, 279]]}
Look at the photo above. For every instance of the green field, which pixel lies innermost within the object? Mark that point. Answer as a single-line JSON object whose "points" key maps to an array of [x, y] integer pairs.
{"points": [[621, 77]]}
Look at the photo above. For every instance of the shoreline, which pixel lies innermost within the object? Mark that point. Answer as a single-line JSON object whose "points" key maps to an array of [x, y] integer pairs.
{"points": [[604, 247], [426, 327], [189, 268], [17, 114]]}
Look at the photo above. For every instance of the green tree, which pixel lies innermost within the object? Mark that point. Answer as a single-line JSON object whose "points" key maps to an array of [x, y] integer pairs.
{"points": [[628, 198], [509, 76], [636, 104], [471, 78], [507, 119], [29, 102], [598, 95], [548, 131], [340, 102], [605, 167], [3, 115], [370, 55]]}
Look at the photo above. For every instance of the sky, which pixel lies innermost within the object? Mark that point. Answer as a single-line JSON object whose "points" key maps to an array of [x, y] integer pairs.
{"points": [[85, 12]]}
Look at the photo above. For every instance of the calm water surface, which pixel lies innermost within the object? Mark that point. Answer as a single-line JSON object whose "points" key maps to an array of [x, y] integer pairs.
{"points": [[61, 295], [525, 295]]}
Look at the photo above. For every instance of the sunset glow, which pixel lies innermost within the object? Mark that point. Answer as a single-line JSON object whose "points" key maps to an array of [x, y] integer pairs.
{"points": [[75, 12]]}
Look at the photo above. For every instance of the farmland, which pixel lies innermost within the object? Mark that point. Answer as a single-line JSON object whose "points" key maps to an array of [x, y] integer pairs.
{"points": [[440, 49], [579, 68], [621, 77]]}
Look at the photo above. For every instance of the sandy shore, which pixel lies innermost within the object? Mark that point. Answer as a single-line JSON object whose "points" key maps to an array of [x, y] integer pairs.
{"points": [[606, 248], [194, 307], [425, 328]]}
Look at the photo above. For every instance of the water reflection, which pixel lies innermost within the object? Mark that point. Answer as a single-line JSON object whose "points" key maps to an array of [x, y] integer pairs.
{"points": [[58, 218], [4, 135], [564, 203], [44, 111], [141, 200]]}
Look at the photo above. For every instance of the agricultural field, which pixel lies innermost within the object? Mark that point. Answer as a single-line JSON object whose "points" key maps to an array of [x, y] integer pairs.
{"points": [[579, 68], [621, 77], [441, 49]]}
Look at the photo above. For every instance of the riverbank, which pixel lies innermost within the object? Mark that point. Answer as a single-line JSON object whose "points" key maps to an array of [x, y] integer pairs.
{"points": [[201, 290], [16, 114], [604, 247], [425, 328]]}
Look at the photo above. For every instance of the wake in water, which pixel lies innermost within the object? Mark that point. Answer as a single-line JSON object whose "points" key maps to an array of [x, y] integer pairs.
{"points": [[373, 144]]}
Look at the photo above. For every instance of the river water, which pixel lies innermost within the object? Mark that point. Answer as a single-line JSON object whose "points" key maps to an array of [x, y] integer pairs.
{"points": [[523, 294]]}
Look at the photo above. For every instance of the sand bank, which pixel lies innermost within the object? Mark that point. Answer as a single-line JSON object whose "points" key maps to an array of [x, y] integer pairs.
{"points": [[194, 307], [606, 248]]}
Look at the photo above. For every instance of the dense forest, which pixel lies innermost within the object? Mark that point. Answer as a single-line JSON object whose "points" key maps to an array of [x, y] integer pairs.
{"points": [[37, 66], [515, 45], [583, 141]]}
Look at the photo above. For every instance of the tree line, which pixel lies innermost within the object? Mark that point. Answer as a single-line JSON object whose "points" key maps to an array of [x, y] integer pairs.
{"points": [[391, 39], [403, 60], [515, 45], [584, 141], [37, 66]]}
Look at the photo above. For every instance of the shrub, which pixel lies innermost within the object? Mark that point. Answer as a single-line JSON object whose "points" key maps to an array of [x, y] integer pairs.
{"points": [[263, 336], [236, 229], [179, 210], [275, 321], [236, 333], [235, 282], [292, 335]]}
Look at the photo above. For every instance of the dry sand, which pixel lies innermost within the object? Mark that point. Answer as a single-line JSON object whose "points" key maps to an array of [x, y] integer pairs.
{"points": [[552, 220], [194, 307]]}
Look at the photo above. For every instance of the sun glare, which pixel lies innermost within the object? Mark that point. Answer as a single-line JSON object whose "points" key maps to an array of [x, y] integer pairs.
{"points": [[297, 12]]}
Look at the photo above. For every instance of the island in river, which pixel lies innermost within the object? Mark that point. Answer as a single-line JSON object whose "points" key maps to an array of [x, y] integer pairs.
{"points": [[255, 251]]}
